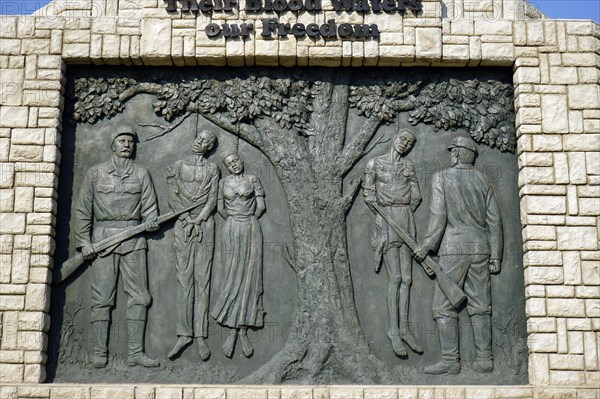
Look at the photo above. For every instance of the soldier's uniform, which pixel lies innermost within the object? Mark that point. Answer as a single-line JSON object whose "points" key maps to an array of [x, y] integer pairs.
{"points": [[465, 230], [110, 201]]}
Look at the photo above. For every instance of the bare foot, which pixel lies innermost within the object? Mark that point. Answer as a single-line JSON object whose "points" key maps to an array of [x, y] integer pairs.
{"points": [[182, 342], [411, 341], [229, 345], [397, 344], [203, 349], [246, 345]]}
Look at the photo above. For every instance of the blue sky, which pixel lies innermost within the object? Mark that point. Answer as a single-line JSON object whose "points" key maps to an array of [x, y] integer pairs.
{"points": [[570, 9]]}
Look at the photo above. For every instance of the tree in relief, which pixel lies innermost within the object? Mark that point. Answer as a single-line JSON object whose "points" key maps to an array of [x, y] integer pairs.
{"points": [[299, 120]]}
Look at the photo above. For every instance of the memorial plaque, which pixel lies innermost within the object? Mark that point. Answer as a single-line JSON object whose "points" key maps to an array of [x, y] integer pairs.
{"points": [[271, 225]]}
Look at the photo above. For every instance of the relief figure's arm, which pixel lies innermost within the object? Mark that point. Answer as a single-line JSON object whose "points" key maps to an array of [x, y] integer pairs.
{"points": [[211, 201], [415, 191], [494, 231], [84, 212], [149, 203], [259, 192], [368, 185], [221, 202]]}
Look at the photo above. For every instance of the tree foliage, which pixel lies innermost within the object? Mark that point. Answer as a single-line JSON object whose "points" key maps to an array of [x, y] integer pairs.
{"points": [[482, 107]]}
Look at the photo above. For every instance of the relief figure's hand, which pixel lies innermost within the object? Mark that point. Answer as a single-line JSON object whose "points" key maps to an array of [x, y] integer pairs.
{"points": [[495, 266], [420, 253], [152, 225], [88, 252]]}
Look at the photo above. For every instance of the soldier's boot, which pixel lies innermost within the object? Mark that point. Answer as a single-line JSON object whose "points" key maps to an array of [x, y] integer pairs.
{"points": [[100, 350], [482, 330], [135, 331], [448, 333]]}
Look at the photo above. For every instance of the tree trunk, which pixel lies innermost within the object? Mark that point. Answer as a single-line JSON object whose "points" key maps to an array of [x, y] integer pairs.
{"points": [[326, 344]]}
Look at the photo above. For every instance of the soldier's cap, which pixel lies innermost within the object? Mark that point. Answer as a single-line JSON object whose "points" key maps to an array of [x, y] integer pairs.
{"points": [[121, 130], [463, 142]]}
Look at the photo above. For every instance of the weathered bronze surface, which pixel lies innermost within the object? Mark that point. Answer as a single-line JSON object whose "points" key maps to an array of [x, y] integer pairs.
{"points": [[336, 167]]}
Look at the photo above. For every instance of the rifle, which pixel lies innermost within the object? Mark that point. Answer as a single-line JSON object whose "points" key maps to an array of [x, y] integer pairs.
{"points": [[453, 292], [109, 244]]}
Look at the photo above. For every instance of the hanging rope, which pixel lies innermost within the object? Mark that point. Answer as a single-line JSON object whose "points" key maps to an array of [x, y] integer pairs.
{"points": [[237, 134]]}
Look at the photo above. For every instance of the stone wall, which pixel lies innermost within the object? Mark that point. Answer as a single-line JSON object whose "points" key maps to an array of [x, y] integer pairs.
{"points": [[556, 72]]}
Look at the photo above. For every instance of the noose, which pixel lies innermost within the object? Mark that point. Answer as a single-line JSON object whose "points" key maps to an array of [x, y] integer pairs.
{"points": [[237, 135]]}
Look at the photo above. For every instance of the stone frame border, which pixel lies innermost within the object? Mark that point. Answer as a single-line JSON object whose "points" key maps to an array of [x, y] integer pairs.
{"points": [[557, 100]]}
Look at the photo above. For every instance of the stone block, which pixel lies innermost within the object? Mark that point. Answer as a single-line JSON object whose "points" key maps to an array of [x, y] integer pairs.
{"points": [[570, 307], [497, 54], [542, 342], [30, 391], [34, 321], [560, 291], [34, 373], [292, 393], [345, 393], [12, 223], [572, 267], [428, 44], [100, 392], [589, 207], [592, 307], [35, 46], [12, 302], [587, 292], [529, 116], [7, 200], [536, 175], [527, 75], [69, 392], [535, 307], [577, 238], [544, 205], [380, 393], [242, 393], [554, 109], [584, 97], [561, 377], [209, 393], [12, 373], [544, 275], [76, 51], [14, 117], [581, 142], [318, 56], [26, 153], [541, 324], [38, 297], [11, 356], [156, 38], [23, 199]]}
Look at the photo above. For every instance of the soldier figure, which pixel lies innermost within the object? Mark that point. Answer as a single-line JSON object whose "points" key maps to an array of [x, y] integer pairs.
{"points": [[114, 196], [390, 182], [465, 229], [194, 180]]}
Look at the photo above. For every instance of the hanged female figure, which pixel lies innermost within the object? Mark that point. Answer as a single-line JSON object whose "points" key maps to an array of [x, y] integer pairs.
{"points": [[239, 305]]}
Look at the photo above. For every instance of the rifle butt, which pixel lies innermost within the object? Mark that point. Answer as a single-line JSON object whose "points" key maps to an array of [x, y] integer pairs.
{"points": [[69, 267], [455, 295]]}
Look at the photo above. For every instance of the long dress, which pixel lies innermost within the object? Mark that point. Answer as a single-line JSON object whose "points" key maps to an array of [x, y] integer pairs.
{"points": [[239, 304]]}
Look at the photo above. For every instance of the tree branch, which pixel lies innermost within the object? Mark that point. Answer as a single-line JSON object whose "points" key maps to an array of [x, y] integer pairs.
{"points": [[355, 147], [140, 88], [165, 129]]}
